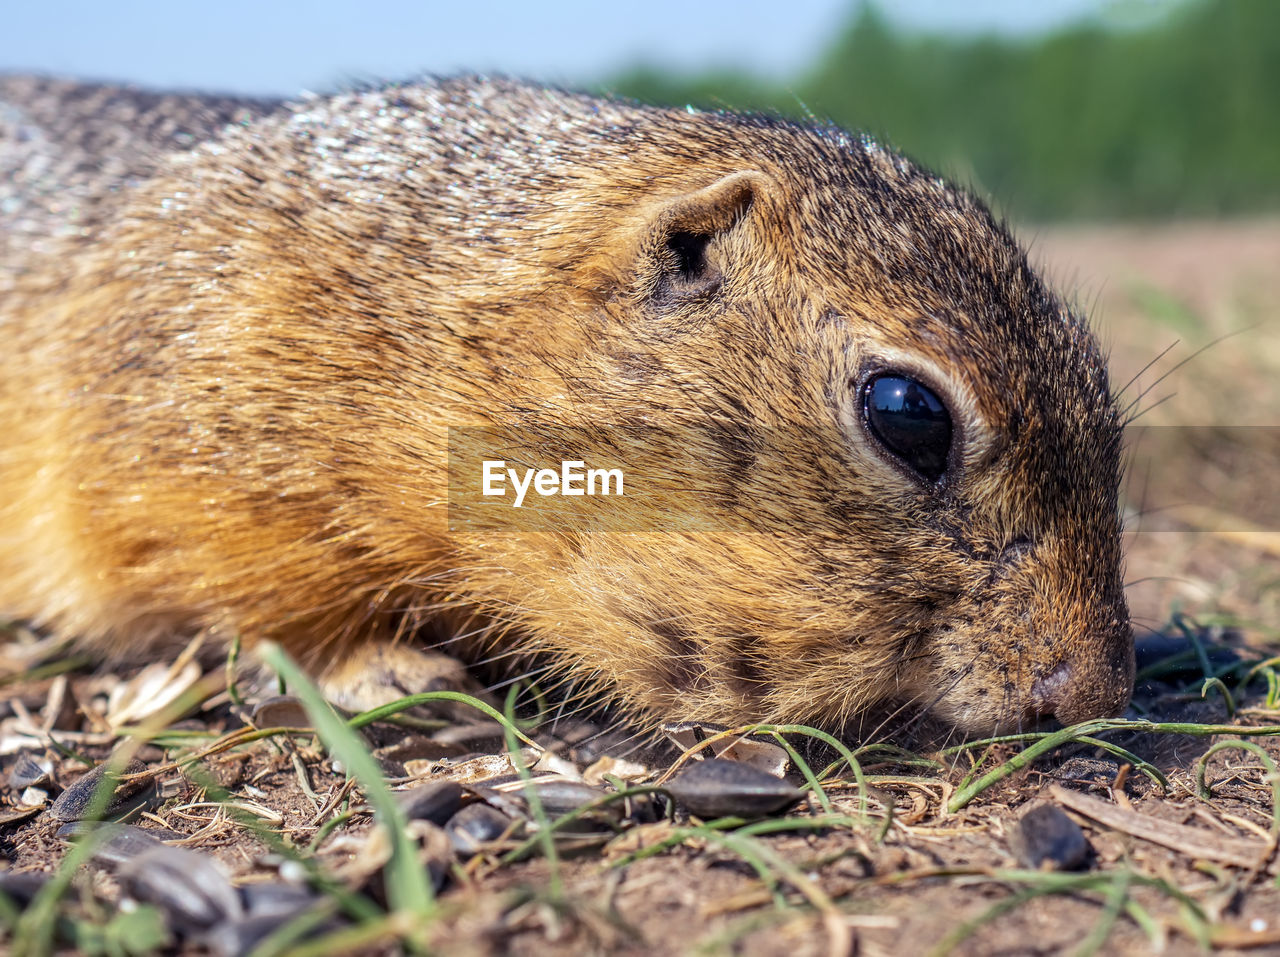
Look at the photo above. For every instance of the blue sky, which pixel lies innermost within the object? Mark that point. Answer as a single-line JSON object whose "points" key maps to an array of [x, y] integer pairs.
{"points": [[259, 46]]}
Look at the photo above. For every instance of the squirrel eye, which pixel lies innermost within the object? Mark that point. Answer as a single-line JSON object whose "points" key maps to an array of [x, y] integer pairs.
{"points": [[910, 421]]}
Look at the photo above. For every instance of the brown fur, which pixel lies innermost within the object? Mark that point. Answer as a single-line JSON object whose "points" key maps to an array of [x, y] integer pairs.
{"points": [[231, 367]]}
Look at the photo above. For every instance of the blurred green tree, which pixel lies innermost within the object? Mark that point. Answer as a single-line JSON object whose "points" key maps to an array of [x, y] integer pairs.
{"points": [[1179, 116]]}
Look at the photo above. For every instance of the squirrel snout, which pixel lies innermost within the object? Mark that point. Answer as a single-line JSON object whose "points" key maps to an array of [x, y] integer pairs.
{"points": [[1072, 694]]}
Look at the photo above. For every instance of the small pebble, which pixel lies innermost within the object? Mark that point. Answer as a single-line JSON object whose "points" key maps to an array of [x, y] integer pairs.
{"points": [[559, 798], [630, 772], [21, 888], [504, 801], [1045, 838], [474, 826], [1093, 772], [562, 797], [121, 842], [435, 801], [718, 787], [238, 938], [29, 772], [34, 797], [127, 798], [188, 886], [280, 711], [278, 900]]}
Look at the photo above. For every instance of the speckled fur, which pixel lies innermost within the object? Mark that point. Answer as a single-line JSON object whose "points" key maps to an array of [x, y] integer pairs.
{"points": [[237, 332]]}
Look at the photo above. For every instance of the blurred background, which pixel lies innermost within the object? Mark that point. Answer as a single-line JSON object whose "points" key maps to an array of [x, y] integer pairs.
{"points": [[1059, 109], [1135, 145]]}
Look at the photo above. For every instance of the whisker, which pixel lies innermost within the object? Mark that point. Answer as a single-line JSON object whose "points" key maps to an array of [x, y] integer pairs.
{"points": [[1129, 420], [913, 701], [1149, 629], [1209, 345], [1146, 368], [1151, 578], [498, 686]]}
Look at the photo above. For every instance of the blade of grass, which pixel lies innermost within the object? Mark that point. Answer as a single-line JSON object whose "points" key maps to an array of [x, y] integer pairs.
{"points": [[1273, 776], [810, 778], [1041, 883], [233, 655], [287, 936], [1148, 924], [408, 885], [1218, 685], [1192, 633], [771, 866], [427, 697], [534, 800], [970, 927], [1085, 731], [1111, 908], [369, 937]]}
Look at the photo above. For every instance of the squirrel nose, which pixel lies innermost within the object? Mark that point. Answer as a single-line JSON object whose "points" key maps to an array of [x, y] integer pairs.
{"points": [[1072, 697], [1053, 692]]}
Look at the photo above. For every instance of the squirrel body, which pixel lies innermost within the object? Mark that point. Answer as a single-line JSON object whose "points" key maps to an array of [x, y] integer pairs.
{"points": [[239, 334]]}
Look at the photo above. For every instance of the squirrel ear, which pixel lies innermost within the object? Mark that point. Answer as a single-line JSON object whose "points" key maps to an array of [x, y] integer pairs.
{"points": [[681, 236]]}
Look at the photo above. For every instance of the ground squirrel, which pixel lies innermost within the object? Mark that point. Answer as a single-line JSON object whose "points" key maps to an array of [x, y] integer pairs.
{"points": [[238, 333]]}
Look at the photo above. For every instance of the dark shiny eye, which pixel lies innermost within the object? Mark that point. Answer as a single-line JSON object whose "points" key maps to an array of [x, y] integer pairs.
{"points": [[910, 421]]}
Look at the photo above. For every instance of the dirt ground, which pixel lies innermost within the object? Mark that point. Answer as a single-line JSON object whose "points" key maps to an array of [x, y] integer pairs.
{"points": [[1164, 869]]}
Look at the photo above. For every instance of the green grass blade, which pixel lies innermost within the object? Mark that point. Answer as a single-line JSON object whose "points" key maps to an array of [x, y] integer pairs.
{"points": [[408, 885]]}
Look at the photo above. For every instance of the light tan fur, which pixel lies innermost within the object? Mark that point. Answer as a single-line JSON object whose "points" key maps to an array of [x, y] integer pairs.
{"points": [[227, 389]]}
